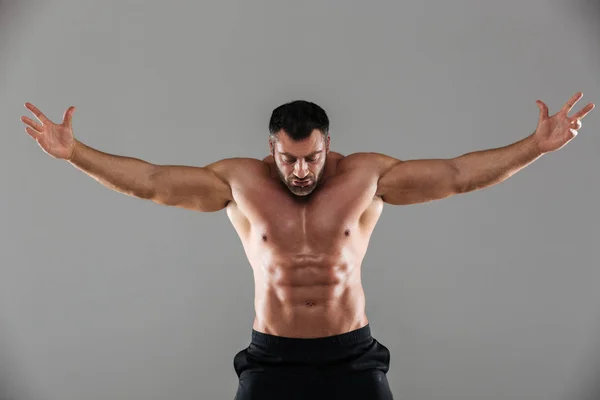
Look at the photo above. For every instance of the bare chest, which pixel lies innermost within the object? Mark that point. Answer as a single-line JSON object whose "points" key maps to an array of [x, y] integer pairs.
{"points": [[340, 208]]}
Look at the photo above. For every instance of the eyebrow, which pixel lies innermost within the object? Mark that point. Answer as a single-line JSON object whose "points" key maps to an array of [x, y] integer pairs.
{"points": [[308, 155]]}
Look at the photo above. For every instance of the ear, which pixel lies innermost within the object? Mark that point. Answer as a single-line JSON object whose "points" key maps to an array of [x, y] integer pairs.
{"points": [[271, 148], [327, 144]]}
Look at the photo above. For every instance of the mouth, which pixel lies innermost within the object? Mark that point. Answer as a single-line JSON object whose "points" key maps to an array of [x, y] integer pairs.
{"points": [[301, 183]]}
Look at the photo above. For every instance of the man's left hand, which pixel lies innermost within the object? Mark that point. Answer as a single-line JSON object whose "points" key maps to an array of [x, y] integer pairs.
{"points": [[554, 132]]}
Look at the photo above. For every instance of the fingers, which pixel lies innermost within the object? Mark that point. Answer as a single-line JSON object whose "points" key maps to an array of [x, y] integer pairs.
{"points": [[37, 113], [584, 111], [68, 117], [34, 134], [569, 104], [543, 109], [32, 123]]}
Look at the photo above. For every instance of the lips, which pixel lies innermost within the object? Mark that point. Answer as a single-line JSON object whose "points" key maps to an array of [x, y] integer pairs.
{"points": [[301, 183]]}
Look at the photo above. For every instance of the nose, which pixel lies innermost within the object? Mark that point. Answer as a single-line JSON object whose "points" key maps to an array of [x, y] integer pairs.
{"points": [[301, 169]]}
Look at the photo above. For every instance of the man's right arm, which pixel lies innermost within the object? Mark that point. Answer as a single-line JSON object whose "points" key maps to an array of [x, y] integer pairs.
{"points": [[195, 188]]}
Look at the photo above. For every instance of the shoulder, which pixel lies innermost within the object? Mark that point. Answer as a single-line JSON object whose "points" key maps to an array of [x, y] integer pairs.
{"points": [[230, 168], [369, 162]]}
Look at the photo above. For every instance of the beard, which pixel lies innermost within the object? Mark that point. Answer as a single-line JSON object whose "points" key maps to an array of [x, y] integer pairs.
{"points": [[301, 190]]}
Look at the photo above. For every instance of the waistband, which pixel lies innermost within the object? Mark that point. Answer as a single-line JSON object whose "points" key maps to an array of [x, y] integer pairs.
{"points": [[308, 344]]}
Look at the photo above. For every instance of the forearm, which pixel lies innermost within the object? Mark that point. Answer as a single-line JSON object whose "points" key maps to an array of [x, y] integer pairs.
{"points": [[126, 175], [480, 169]]}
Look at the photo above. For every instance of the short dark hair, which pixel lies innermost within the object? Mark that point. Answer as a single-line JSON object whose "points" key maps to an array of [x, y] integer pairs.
{"points": [[298, 119]]}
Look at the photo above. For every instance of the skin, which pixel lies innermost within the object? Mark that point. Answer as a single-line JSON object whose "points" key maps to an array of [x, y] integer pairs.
{"points": [[306, 244]]}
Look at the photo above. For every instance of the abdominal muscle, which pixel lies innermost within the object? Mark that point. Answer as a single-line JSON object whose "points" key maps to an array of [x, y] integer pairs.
{"points": [[308, 296]]}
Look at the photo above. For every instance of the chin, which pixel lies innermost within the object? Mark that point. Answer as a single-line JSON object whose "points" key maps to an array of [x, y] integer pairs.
{"points": [[301, 191], [302, 194]]}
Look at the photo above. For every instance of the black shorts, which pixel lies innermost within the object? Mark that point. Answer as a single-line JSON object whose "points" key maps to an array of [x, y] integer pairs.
{"points": [[352, 366]]}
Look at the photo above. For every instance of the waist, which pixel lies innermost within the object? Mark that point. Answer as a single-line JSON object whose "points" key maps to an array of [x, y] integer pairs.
{"points": [[292, 345]]}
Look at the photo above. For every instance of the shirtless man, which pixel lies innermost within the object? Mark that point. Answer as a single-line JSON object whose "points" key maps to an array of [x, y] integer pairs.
{"points": [[305, 216]]}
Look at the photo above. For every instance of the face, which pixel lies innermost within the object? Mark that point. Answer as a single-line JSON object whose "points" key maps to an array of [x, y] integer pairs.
{"points": [[300, 165]]}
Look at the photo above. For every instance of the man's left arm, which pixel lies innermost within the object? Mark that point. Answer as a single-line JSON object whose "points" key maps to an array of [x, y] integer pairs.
{"points": [[416, 181]]}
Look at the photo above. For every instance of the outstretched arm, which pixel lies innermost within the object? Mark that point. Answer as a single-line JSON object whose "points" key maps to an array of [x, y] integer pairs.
{"points": [[196, 188], [415, 181], [418, 181]]}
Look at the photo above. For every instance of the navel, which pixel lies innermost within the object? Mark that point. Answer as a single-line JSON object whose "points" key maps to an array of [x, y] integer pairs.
{"points": [[347, 232], [310, 303], [264, 238]]}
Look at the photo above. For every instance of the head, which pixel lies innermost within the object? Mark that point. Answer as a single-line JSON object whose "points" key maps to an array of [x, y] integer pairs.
{"points": [[299, 143]]}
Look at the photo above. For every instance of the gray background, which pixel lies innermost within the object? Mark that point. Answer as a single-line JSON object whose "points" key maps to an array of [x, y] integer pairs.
{"points": [[490, 295]]}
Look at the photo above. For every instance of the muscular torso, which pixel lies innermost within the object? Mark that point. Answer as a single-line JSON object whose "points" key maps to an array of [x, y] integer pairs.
{"points": [[305, 252]]}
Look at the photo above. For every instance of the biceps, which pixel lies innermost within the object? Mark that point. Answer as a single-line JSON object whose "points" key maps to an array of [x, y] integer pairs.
{"points": [[417, 181], [194, 188]]}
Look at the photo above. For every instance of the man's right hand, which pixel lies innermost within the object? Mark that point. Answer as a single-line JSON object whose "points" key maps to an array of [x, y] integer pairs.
{"points": [[55, 139]]}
